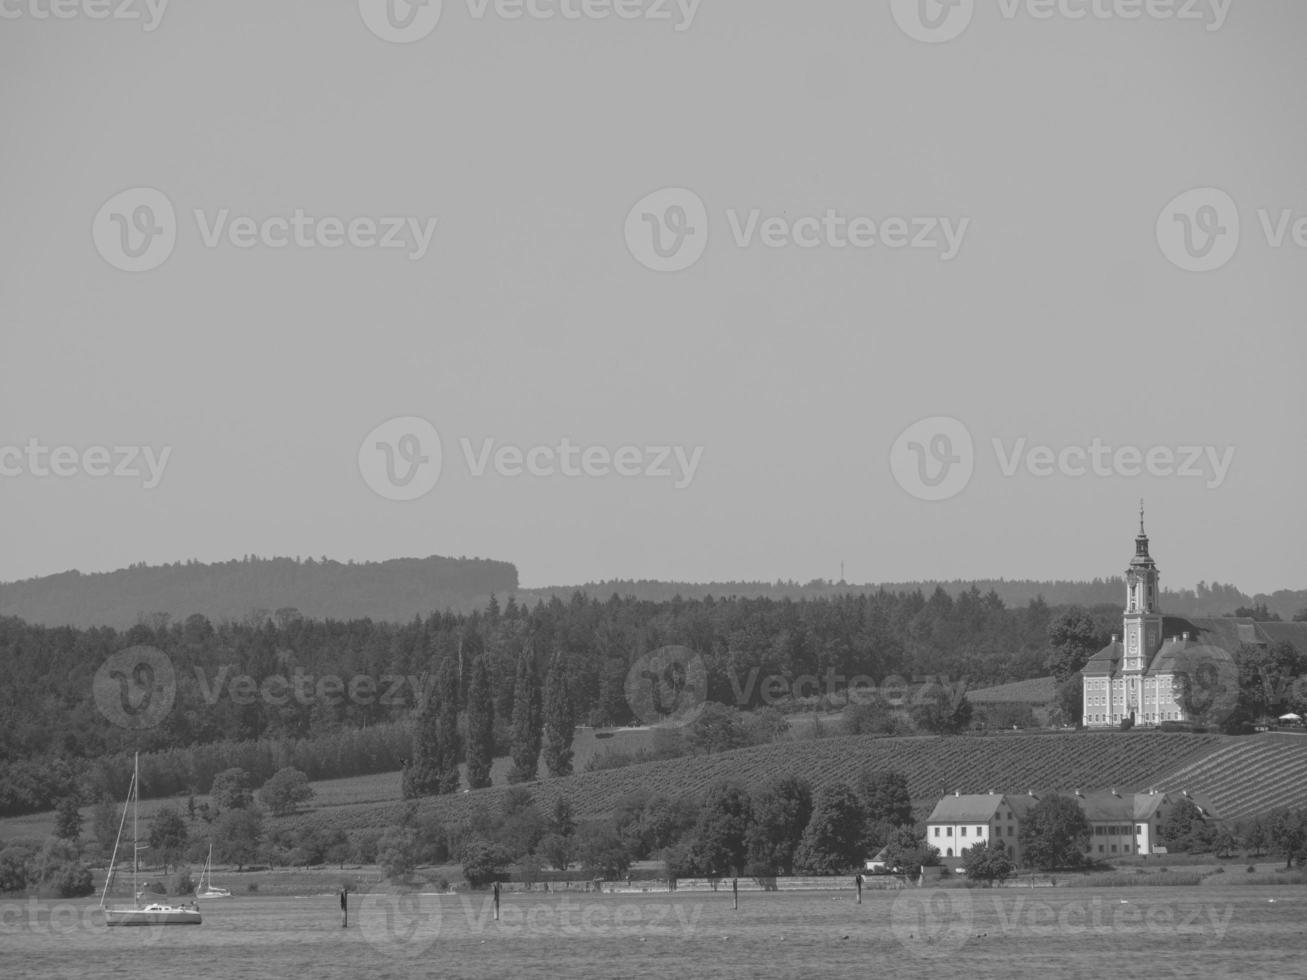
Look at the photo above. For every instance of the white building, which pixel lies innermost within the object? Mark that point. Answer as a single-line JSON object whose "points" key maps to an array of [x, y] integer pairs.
{"points": [[961, 821]]}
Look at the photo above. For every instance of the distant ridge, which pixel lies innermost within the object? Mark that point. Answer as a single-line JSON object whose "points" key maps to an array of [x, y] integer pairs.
{"points": [[393, 591], [399, 589], [1206, 600]]}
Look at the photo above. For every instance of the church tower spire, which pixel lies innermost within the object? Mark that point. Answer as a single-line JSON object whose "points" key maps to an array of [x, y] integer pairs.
{"points": [[1143, 616]]}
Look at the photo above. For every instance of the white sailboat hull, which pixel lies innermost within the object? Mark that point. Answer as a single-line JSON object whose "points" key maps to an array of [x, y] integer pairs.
{"points": [[213, 893], [153, 915]]}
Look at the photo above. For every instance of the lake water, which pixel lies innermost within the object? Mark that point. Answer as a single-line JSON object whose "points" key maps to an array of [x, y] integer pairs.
{"points": [[1000, 933]]}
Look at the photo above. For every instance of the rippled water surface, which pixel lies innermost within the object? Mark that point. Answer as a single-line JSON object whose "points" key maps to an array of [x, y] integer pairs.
{"points": [[1072, 933]]}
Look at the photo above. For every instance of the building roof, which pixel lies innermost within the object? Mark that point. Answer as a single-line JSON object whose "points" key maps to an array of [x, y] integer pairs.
{"points": [[1227, 633], [979, 807], [965, 808], [1105, 662]]}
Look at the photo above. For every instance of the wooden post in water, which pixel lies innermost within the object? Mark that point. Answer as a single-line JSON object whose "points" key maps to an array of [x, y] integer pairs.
{"points": [[735, 891], [858, 882], [495, 891], [344, 908]]}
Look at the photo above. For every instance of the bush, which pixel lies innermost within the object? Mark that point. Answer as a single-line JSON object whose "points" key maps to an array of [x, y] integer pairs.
{"points": [[70, 881]]}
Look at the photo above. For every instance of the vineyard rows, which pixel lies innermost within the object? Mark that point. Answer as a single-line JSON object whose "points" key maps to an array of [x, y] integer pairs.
{"points": [[1248, 776], [934, 765]]}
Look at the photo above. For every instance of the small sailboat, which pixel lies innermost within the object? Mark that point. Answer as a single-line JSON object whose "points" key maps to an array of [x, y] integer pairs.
{"points": [[156, 913], [206, 889]]}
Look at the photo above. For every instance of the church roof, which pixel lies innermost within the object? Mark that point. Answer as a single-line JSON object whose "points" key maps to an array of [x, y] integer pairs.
{"points": [[1105, 662]]}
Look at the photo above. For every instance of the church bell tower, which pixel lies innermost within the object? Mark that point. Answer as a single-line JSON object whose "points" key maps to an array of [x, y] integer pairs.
{"points": [[1143, 619]]}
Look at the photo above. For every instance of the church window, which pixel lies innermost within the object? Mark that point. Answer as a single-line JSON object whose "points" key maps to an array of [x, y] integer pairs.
{"points": [[962, 831], [980, 831], [936, 831]]}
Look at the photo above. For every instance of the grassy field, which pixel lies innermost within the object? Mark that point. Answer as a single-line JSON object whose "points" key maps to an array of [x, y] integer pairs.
{"points": [[982, 934]]}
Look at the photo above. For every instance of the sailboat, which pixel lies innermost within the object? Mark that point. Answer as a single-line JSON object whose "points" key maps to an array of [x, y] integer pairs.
{"points": [[156, 913], [205, 888]]}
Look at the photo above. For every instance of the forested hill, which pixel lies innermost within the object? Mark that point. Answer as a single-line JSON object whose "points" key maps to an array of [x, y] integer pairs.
{"points": [[252, 588], [1204, 601]]}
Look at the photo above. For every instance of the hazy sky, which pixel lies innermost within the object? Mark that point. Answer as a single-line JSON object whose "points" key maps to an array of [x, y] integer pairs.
{"points": [[1046, 286]]}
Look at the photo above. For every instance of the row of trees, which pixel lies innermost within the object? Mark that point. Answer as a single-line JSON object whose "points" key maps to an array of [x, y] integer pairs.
{"points": [[48, 712]]}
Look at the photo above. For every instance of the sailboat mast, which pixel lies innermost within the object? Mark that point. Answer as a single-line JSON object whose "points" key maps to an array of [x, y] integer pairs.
{"points": [[136, 847]]}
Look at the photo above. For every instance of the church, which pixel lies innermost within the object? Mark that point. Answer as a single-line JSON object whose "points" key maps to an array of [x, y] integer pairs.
{"points": [[1141, 674]]}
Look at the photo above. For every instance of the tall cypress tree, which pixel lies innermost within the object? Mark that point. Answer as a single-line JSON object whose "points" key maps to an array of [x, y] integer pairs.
{"points": [[480, 727], [559, 719], [446, 723], [527, 721], [422, 770]]}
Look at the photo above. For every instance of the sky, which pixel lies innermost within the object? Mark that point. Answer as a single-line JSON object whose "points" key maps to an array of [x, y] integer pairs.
{"points": [[727, 290]]}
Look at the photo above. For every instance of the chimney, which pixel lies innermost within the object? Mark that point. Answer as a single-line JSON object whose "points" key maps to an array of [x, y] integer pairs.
{"points": [[957, 792], [1186, 637], [1030, 793], [1184, 792], [1116, 638], [1114, 792], [1080, 794]]}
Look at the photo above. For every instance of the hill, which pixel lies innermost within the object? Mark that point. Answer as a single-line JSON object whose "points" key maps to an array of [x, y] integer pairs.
{"points": [[1205, 600], [390, 591], [935, 765], [1248, 776], [397, 590]]}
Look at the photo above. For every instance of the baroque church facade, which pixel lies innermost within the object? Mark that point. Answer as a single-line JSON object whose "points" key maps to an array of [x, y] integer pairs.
{"points": [[1134, 676], [1143, 674]]}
